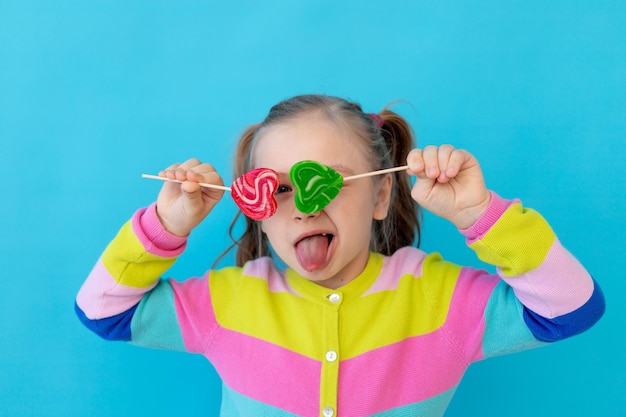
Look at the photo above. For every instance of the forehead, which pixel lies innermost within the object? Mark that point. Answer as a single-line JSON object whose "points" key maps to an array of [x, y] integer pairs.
{"points": [[309, 137]]}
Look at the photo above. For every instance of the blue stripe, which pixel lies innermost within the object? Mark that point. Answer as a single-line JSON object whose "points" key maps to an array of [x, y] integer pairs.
{"points": [[155, 323], [567, 325], [505, 330], [433, 406], [111, 328], [235, 404]]}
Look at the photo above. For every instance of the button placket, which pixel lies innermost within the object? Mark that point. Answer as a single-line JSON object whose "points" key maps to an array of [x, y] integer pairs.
{"points": [[329, 383]]}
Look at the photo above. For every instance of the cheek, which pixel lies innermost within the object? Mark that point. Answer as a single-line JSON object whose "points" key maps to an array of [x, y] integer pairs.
{"points": [[352, 217], [358, 202], [266, 225], [272, 226]]}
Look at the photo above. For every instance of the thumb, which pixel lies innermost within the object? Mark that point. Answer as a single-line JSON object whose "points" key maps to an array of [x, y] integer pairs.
{"points": [[192, 198], [417, 167], [191, 190]]}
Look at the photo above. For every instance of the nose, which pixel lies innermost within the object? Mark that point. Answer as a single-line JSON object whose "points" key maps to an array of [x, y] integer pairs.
{"points": [[298, 215]]}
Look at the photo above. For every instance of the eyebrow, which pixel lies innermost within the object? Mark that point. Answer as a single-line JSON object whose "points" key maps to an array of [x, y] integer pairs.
{"points": [[342, 169], [337, 167]]}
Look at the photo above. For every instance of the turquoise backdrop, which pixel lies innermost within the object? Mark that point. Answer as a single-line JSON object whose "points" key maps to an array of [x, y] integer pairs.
{"points": [[93, 93]]}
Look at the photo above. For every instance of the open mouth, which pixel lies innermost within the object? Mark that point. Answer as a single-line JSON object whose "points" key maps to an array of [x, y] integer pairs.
{"points": [[328, 236], [313, 252]]}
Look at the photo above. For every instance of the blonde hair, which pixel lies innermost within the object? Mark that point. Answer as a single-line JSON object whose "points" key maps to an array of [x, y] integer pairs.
{"points": [[387, 139]]}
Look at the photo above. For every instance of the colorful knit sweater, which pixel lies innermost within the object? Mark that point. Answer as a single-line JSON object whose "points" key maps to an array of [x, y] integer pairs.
{"points": [[393, 342]]}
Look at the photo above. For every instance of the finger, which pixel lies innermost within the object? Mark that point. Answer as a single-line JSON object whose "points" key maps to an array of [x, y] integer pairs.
{"points": [[169, 171], [194, 193], [431, 161], [192, 172], [205, 173], [183, 169], [189, 164], [443, 159], [457, 160], [210, 177], [415, 162], [178, 170], [201, 172]]}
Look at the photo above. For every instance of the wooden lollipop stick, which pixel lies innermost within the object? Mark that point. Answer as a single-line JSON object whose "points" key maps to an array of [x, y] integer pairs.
{"points": [[379, 172], [201, 184]]}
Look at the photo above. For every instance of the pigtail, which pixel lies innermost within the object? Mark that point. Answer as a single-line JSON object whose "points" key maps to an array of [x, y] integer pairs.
{"points": [[401, 227], [252, 243]]}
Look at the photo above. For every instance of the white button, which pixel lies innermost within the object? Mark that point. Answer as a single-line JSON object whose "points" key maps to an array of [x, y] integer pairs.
{"points": [[331, 356], [328, 412], [334, 298]]}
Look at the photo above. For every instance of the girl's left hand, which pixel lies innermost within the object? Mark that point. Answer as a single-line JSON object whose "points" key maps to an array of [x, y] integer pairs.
{"points": [[449, 184]]}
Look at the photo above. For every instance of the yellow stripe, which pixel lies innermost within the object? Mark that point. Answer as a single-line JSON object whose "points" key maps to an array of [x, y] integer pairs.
{"points": [[128, 262], [275, 317], [421, 302], [368, 322], [518, 242]]}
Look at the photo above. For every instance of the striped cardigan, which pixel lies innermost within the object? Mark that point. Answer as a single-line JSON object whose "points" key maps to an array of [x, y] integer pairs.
{"points": [[393, 342]]}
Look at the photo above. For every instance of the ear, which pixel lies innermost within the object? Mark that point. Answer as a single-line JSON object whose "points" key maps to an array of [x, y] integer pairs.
{"points": [[383, 197]]}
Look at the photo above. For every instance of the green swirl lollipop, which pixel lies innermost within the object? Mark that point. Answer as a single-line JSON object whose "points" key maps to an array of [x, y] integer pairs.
{"points": [[316, 184]]}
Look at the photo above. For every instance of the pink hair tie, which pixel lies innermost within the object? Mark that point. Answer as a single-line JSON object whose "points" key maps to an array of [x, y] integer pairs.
{"points": [[377, 119]]}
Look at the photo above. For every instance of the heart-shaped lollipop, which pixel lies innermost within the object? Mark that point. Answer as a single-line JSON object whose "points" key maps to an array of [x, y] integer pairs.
{"points": [[254, 192], [316, 185]]}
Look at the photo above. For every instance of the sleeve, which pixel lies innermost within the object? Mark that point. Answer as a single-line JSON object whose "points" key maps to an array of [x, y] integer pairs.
{"points": [[124, 290], [544, 292]]}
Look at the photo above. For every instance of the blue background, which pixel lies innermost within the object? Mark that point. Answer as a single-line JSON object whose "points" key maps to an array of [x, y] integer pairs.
{"points": [[93, 93]]}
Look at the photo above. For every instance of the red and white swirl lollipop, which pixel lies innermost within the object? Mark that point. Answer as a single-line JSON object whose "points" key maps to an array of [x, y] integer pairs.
{"points": [[253, 192]]}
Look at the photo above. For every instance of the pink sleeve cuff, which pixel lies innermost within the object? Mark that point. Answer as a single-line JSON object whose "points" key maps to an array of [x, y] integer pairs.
{"points": [[497, 207], [154, 236]]}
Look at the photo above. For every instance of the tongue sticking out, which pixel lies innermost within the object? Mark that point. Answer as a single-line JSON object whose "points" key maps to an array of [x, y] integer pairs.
{"points": [[312, 252]]}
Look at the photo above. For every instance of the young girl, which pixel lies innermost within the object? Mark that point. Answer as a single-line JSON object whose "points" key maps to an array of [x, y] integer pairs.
{"points": [[359, 323]]}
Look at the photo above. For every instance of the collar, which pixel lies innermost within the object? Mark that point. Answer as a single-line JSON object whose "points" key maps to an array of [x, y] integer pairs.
{"points": [[350, 291]]}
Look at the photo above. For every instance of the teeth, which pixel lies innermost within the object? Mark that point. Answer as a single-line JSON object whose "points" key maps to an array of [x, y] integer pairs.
{"points": [[324, 234]]}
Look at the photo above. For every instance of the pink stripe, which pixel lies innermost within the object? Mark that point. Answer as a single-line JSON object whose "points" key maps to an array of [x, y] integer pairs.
{"points": [[153, 236], [405, 261], [248, 365], [418, 368], [466, 317], [195, 312], [101, 296], [558, 286], [423, 366], [268, 373], [496, 208], [263, 268]]}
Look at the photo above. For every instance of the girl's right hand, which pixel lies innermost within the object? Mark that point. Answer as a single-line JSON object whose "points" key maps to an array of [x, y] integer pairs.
{"points": [[181, 207]]}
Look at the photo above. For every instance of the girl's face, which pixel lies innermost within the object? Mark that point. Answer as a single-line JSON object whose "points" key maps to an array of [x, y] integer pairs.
{"points": [[330, 247]]}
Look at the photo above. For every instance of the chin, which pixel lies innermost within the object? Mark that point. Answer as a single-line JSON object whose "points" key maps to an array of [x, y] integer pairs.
{"points": [[318, 275]]}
